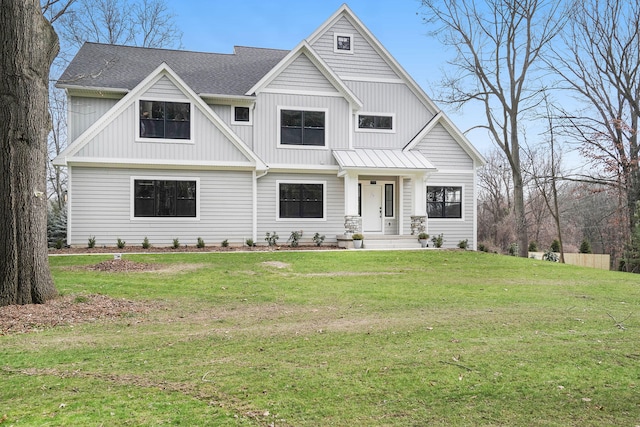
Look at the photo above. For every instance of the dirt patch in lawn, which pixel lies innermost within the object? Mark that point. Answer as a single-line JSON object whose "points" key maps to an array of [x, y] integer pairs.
{"points": [[67, 310]]}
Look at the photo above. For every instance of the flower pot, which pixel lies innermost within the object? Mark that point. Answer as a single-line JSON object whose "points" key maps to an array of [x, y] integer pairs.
{"points": [[424, 243], [357, 244]]}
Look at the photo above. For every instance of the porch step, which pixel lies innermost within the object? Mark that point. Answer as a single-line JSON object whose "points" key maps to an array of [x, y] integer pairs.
{"points": [[391, 242]]}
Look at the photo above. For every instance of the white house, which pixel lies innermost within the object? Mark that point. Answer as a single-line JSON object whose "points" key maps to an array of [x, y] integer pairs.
{"points": [[331, 137]]}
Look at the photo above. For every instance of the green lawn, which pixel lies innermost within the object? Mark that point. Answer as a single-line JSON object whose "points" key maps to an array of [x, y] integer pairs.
{"points": [[336, 338]]}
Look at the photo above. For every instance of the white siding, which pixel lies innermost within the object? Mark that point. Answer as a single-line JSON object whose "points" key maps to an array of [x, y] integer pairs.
{"points": [[302, 75], [364, 61], [117, 141], [407, 205], [244, 132], [443, 151], [265, 118], [397, 99], [268, 199], [83, 112], [101, 207]]}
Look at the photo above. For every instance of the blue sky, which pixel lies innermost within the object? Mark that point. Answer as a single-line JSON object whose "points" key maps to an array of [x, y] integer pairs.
{"points": [[217, 26]]}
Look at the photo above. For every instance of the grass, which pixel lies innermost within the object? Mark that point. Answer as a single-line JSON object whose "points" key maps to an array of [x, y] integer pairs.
{"points": [[352, 338]]}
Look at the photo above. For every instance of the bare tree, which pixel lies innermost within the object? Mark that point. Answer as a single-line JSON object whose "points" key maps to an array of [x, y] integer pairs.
{"points": [[28, 45], [495, 211], [498, 44], [600, 62]]}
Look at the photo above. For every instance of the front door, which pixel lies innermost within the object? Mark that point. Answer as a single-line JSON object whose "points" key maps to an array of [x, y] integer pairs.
{"points": [[372, 208]]}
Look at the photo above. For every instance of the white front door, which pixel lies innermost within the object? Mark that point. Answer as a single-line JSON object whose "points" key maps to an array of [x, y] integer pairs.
{"points": [[372, 208]]}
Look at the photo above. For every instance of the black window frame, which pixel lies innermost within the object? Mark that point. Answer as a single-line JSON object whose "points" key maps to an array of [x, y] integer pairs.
{"points": [[245, 118], [302, 131], [374, 122], [296, 201], [165, 120], [160, 198], [343, 43], [444, 202], [388, 200]]}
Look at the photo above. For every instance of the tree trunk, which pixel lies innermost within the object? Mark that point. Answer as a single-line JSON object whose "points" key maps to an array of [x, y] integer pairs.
{"points": [[28, 45]]}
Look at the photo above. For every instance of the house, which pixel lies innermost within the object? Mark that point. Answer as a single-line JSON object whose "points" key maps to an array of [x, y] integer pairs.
{"points": [[331, 137]]}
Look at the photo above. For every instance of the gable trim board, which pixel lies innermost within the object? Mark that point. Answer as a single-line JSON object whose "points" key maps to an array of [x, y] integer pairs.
{"points": [[163, 70]]}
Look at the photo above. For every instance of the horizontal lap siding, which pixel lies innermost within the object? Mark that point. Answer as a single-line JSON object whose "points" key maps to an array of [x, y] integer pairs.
{"points": [[117, 141], [83, 112], [443, 151], [304, 76], [101, 207], [164, 89], [364, 61], [410, 113], [268, 199], [265, 119]]}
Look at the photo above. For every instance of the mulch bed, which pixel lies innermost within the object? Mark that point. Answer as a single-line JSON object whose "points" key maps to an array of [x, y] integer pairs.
{"points": [[185, 249]]}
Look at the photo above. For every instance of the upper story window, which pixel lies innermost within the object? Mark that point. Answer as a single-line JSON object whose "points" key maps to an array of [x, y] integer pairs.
{"points": [[376, 122], [241, 115], [444, 202], [302, 128], [164, 198], [342, 43], [165, 120]]}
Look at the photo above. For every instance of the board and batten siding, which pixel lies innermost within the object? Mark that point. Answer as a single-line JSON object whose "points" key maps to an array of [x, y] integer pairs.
{"points": [[268, 199], [443, 151], [117, 141], [364, 61], [101, 207], [395, 99], [302, 75], [83, 112], [266, 120], [244, 131]]}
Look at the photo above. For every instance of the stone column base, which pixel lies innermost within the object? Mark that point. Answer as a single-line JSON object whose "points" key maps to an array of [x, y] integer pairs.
{"points": [[352, 224], [418, 224]]}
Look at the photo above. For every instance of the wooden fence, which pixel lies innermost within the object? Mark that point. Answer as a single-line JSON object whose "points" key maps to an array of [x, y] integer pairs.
{"points": [[601, 261]]}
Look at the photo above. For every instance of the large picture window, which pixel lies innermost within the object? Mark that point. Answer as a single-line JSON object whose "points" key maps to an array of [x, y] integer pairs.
{"points": [[301, 200], [155, 198], [444, 202], [302, 128], [165, 120]]}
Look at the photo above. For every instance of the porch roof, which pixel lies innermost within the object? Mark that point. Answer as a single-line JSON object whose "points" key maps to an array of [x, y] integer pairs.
{"points": [[361, 158]]}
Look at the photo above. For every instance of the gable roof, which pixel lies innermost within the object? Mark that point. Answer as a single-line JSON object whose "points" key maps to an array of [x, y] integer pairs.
{"points": [[162, 70], [121, 68], [305, 49]]}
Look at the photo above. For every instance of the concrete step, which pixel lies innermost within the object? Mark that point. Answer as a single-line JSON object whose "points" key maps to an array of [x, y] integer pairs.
{"points": [[394, 242]]}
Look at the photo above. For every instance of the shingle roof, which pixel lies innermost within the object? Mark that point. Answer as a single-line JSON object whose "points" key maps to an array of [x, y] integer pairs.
{"points": [[99, 65]]}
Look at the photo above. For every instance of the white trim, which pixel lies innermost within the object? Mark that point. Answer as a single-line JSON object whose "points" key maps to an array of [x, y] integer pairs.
{"points": [[132, 201], [456, 171], [69, 205], [301, 181], [462, 201], [241, 123], [351, 43], [300, 168], [136, 120], [150, 163], [371, 79], [254, 203], [375, 130], [282, 91], [301, 147]]}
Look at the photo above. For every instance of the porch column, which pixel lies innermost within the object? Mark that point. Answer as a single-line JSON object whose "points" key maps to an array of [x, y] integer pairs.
{"points": [[352, 221], [419, 205]]}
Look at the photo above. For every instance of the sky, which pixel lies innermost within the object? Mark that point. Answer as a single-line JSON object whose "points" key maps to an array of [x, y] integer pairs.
{"points": [[217, 26]]}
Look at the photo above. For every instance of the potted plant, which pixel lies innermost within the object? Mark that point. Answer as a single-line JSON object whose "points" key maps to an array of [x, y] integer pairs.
{"points": [[422, 238], [357, 240]]}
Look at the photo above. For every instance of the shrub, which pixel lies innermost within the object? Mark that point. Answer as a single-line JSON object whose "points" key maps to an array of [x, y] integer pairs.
{"points": [[272, 239], [555, 245], [357, 236], [145, 243], [294, 238], [533, 247], [121, 243], [250, 243], [550, 256], [438, 240], [92, 242], [318, 239], [200, 243], [423, 236], [513, 249], [585, 247], [176, 243], [225, 243], [463, 244], [482, 247], [59, 244], [57, 227]]}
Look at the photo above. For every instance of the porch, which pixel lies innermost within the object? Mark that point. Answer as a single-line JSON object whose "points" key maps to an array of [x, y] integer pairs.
{"points": [[381, 242]]}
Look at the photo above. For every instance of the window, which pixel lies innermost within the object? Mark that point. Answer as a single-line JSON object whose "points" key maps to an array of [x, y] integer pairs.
{"points": [[304, 128], [166, 120], [155, 198], [343, 43], [241, 115], [388, 200], [299, 200], [375, 122], [444, 202]]}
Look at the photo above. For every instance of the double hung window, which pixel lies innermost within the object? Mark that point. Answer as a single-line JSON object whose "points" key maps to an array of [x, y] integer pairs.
{"points": [[444, 202]]}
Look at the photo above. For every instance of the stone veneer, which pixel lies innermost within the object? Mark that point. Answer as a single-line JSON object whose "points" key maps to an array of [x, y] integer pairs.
{"points": [[352, 224], [418, 224]]}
